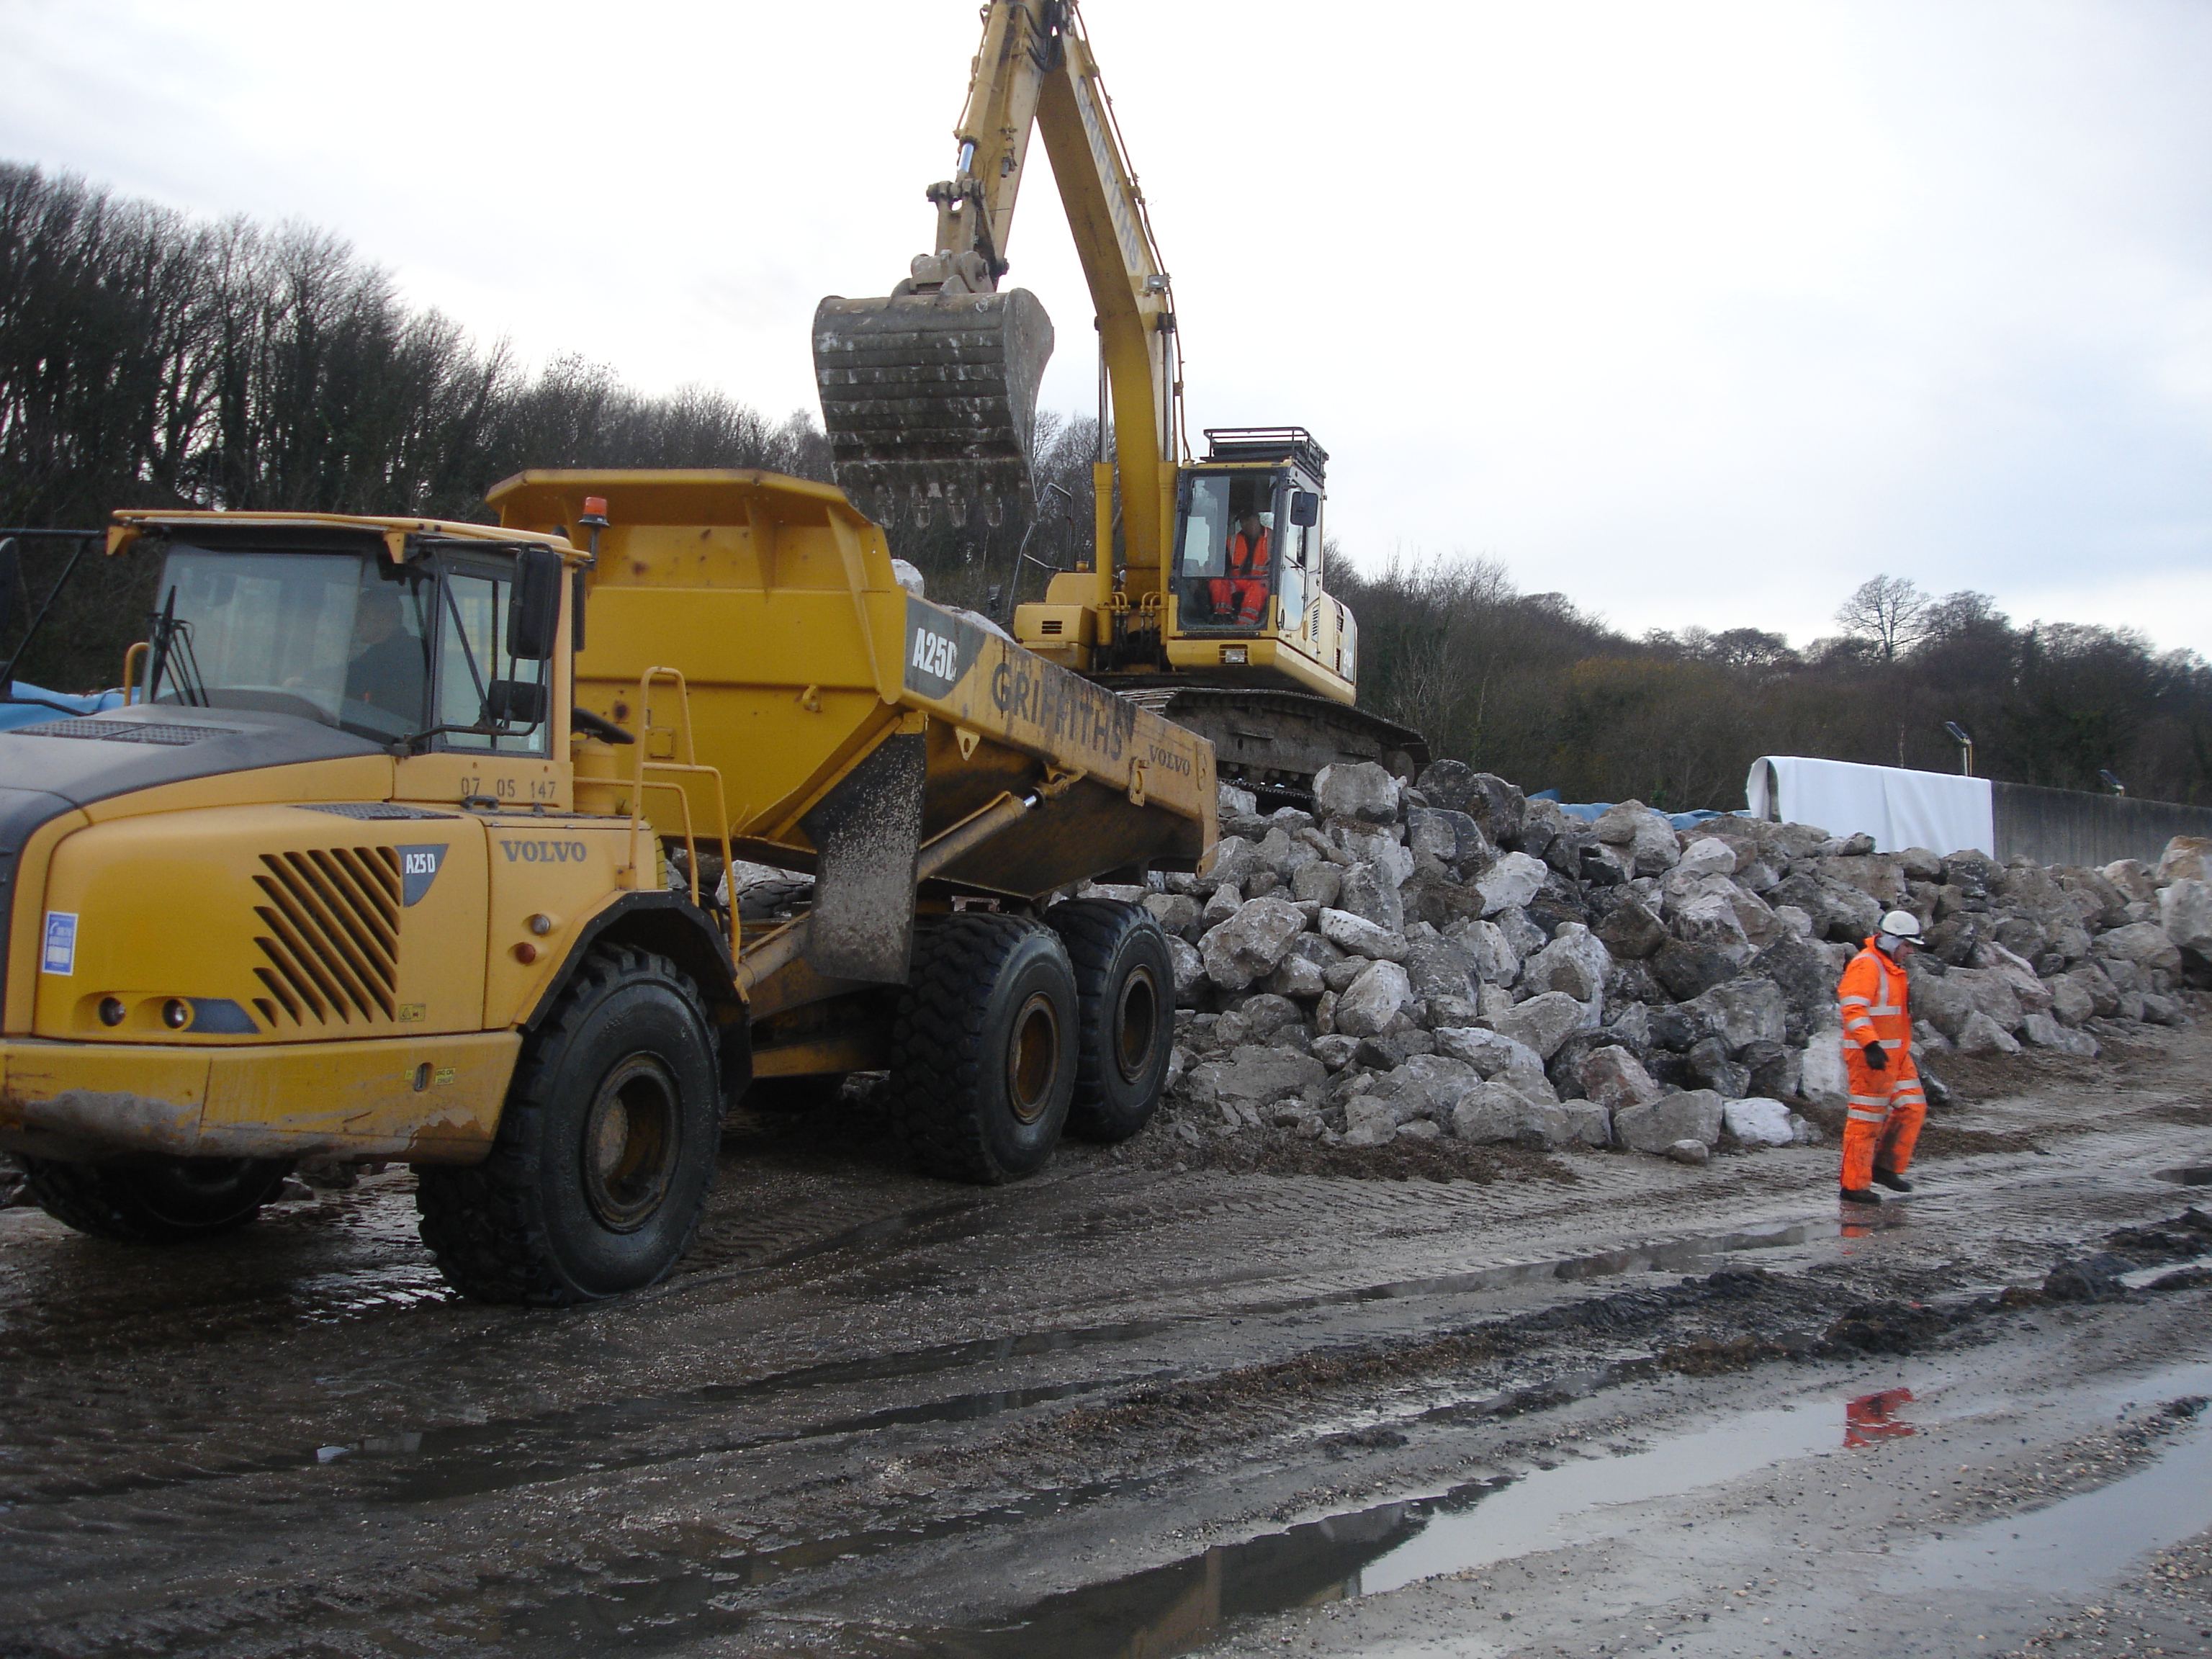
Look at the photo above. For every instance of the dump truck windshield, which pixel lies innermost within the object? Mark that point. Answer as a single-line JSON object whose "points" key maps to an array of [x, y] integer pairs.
{"points": [[333, 637]]}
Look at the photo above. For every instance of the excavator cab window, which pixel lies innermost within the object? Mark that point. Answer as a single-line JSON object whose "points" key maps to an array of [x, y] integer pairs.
{"points": [[1226, 562]]}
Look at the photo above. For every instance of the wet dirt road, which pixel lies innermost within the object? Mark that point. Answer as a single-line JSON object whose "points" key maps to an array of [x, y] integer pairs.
{"points": [[1614, 1407]]}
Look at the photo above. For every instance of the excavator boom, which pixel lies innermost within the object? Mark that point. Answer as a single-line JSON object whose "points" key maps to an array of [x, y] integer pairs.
{"points": [[1204, 598]]}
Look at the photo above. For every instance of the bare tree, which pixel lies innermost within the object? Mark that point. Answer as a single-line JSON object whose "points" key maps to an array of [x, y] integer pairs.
{"points": [[1888, 609]]}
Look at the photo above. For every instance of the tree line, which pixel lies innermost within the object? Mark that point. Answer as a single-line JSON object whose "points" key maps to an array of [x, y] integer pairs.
{"points": [[1526, 686], [149, 359]]}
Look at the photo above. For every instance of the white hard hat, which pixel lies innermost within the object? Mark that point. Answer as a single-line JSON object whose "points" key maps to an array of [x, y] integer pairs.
{"points": [[1903, 924]]}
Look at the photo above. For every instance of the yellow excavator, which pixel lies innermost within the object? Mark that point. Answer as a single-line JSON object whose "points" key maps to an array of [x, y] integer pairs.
{"points": [[1205, 599]]}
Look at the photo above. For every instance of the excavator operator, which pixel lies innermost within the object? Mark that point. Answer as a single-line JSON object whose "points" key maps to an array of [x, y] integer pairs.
{"points": [[1243, 590]]}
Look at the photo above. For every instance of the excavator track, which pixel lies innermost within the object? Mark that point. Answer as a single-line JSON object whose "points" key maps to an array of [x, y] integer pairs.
{"points": [[930, 400], [1274, 742]]}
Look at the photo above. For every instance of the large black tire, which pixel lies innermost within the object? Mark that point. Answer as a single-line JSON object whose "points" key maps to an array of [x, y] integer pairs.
{"points": [[983, 1048], [155, 1200], [605, 1149], [1125, 980]]}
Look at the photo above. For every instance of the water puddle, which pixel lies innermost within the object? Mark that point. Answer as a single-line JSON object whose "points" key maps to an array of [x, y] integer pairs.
{"points": [[1185, 1604], [2078, 1543], [2189, 1174]]}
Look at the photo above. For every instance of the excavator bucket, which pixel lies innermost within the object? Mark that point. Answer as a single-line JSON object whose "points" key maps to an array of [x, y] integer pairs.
{"points": [[930, 400]]}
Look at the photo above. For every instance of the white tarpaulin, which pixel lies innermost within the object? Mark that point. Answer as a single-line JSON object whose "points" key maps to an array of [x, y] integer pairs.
{"points": [[1900, 809]]}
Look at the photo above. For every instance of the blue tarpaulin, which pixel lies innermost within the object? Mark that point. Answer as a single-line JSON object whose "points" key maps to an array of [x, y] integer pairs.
{"points": [[52, 706], [1591, 811]]}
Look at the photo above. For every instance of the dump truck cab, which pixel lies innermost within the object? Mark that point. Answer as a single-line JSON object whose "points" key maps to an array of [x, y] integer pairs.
{"points": [[432, 841]]}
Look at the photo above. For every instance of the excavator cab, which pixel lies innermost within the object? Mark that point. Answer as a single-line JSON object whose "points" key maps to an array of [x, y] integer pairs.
{"points": [[1248, 539]]}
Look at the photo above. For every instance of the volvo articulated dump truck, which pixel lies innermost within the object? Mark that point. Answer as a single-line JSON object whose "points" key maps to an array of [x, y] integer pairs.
{"points": [[416, 842]]}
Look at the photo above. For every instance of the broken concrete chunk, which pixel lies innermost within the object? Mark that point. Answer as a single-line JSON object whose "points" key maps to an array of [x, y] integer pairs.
{"points": [[1631, 931], [1758, 1122], [1541, 1023], [1980, 1035], [1359, 936], [1692, 1116], [1575, 961], [1358, 792], [1614, 1078], [1511, 883], [1370, 1002], [1248, 945]]}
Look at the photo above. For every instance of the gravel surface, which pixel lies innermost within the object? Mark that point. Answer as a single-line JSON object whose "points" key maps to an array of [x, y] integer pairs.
{"points": [[1594, 1403]]}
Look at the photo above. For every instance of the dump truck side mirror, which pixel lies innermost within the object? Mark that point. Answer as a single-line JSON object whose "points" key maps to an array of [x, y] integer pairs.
{"points": [[1305, 507], [515, 702], [533, 617]]}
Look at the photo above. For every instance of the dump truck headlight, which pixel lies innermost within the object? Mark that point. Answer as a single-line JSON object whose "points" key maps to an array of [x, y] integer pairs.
{"points": [[176, 1013], [1233, 654], [112, 1011]]}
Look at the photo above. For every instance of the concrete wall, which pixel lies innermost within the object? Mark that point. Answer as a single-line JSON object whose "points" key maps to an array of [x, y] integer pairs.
{"points": [[2066, 826]]}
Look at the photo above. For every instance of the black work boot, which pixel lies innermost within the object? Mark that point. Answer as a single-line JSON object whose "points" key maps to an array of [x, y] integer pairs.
{"points": [[1891, 1178], [1861, 1195]]}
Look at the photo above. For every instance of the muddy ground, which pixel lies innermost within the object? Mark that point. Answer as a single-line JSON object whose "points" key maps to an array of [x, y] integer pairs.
{"points": [[1231, 1396]]}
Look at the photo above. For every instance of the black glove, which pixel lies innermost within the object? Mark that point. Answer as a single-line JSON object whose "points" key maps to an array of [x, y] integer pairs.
{"points": [[1875, 1058]]}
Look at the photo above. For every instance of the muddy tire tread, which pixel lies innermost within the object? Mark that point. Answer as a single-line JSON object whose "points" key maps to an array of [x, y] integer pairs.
{"points": [[1093, 930], [85, 1197], [938, 1039], [483, 1223]]}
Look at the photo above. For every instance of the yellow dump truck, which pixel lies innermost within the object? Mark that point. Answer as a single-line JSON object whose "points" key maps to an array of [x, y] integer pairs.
{"points": [[440, 842]]}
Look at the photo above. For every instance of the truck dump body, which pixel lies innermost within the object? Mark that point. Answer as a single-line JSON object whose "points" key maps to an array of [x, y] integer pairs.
{"points": [[805, 659]]}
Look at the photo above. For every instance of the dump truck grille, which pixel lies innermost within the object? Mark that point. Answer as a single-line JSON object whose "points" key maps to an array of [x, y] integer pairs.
{"points": [[331, 938]]}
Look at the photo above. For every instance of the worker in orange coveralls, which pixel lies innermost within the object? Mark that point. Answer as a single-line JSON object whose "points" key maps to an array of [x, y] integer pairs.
{"points": [[1887, 1104], [1241, 595]]}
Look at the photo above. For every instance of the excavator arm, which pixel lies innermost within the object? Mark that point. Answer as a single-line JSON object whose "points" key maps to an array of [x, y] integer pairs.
{"points": [[929, 395]]}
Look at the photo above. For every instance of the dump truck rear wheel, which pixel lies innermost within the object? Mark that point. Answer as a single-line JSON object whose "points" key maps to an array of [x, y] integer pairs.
{"points": [[1125, 981], [154, 1200], [605, 1148], [983, 1048]]}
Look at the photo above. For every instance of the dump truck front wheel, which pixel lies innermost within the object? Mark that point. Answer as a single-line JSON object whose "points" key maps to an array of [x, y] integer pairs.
{"points": [[605, 1149], [983, 1047], [155, 1200], [1125, 980]]}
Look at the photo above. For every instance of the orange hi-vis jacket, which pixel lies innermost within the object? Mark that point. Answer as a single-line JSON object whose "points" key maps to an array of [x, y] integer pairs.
{"points": [[1882, 1122], [1872, 998], [1248, 560]]}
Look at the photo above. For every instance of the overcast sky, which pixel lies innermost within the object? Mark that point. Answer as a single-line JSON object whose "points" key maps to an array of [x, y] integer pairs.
{"points": [[1698, 313]]}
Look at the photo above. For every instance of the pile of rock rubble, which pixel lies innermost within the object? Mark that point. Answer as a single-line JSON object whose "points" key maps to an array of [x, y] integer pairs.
{"points": [[1452, 960]]}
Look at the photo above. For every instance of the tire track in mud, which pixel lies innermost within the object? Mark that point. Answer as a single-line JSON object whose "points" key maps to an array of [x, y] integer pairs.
{"points": [[1695, 1327], [858, 1305]]}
